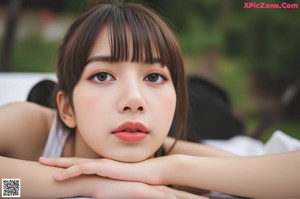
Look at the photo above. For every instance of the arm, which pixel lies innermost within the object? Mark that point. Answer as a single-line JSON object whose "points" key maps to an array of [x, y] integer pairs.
{"points": [[194, 149], [37, 180], [24, 130], [272, 176]]}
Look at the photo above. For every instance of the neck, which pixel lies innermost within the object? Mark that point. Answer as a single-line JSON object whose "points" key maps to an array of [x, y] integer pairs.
{"points": [[81, 149], [76, 147]]}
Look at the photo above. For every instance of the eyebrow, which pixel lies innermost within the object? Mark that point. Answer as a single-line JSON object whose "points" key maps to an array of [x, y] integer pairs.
{"points": [[99, 59], [102, 58]]}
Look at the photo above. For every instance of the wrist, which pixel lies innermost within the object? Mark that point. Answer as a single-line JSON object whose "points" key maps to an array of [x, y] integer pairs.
{"points": [[88, 184], [173, 168]]}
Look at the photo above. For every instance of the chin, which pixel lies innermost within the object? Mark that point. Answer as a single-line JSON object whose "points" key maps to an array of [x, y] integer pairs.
{"points": [[130, 158]]}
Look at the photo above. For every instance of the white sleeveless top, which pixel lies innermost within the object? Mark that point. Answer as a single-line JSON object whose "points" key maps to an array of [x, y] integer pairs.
{"points": [[56, 140]]}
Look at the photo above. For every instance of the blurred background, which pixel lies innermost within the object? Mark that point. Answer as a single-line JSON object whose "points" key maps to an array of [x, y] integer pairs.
{"points": [[253, 55]]}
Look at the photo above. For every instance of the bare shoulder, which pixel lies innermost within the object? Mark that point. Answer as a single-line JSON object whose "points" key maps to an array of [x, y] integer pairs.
{"points": [[24, 128]]}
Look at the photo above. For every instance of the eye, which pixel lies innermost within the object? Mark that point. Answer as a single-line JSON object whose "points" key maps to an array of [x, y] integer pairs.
{"points": [[155, 77], [102, 77]]}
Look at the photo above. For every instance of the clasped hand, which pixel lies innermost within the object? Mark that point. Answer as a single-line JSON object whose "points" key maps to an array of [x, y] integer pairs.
{"points": [[146, 179]]}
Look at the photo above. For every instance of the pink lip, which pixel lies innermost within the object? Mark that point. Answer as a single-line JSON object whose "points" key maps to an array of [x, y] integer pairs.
{"points": [[131, 132]]}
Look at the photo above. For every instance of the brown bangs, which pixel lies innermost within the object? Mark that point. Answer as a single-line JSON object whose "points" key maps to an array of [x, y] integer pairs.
{"points": [[150, 40], [148, 43]]}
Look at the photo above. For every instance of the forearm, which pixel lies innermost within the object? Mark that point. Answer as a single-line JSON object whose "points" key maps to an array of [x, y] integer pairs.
{"points": [[37, 180], [273, 176], [261, 176], [195, 149]]}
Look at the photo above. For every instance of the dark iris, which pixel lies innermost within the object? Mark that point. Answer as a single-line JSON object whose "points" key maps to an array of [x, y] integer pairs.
{"points": [[102, 76], [153, 77]]}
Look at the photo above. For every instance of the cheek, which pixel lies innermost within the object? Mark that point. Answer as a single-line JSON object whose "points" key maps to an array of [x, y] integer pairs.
{"points": [[165, 109], [88, 102], [89, 106], [169, 102], [91, 99]]}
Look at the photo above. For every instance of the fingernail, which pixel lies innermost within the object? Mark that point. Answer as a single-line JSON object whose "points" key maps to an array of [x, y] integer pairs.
{"points": [[58, 176], [42, 159]]}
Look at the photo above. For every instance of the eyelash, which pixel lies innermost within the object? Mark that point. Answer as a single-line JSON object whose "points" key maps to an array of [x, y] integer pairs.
{"points": [[163, 78], [112, 78], [95, 79]]}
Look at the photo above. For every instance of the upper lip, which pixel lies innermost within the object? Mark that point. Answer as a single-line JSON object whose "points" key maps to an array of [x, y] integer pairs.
{"points": [[127, 126]]}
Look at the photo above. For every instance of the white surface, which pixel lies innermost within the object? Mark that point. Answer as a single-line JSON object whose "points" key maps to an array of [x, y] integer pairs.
{"points": [[15, 86], [247, 146]]}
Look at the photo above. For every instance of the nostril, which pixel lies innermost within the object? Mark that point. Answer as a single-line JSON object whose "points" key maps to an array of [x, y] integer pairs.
{"points": [[140, 108], [126, 108]]}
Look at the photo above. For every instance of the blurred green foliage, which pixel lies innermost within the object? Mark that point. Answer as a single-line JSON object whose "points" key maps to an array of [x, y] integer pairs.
{"points": [[268, 43], [40, 58], [264, 40]]}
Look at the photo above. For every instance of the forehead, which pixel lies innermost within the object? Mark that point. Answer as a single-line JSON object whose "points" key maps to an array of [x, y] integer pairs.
{"points": [[125, 44], [101, 45]]}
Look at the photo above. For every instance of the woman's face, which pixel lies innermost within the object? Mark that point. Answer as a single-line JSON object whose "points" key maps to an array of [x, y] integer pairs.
{"points": [[123, 110]]}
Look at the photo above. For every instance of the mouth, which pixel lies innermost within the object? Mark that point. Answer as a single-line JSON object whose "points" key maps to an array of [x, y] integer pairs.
{"points": [[131, 132]]}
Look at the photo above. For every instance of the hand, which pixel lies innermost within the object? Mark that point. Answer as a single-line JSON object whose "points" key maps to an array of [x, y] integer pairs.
{"points": [[150, 171], [110, 188], [123, 189]]}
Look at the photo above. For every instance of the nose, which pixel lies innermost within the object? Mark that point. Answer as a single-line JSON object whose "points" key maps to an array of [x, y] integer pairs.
{"points": [[131, 99], [130, 108]]}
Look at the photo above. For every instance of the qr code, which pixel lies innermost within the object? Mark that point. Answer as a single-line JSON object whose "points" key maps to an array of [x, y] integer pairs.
{"points": [[11, 188]]}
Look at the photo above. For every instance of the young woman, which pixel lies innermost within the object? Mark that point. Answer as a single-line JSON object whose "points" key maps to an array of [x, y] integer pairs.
{"points": [[121, 84]]}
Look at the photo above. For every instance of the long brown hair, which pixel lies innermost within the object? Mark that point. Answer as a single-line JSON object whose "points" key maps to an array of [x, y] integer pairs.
{"points": [[149, 34]]}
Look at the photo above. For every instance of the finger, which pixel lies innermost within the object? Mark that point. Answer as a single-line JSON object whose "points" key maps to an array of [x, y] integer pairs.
{"points": [[103, 168], [92, 167], [81, 168], [61, 162]]}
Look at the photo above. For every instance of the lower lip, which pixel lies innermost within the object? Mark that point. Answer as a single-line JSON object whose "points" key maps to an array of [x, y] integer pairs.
{"points": [[131, 137]]}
